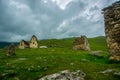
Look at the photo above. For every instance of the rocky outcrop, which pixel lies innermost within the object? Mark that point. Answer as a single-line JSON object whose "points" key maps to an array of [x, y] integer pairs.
{"points": [[23, 44], [65, 75], [81, 43], [34, 42], [112, 29]]}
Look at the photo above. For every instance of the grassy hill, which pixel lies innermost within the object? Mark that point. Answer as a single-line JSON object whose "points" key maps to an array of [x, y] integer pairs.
{"points": [[31, 64]]}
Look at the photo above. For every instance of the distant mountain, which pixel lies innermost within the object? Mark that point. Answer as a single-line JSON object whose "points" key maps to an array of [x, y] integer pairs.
{"points": [[6, 44]]}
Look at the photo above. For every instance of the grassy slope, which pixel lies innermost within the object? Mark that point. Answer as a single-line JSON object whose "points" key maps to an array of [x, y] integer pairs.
{"points": [[58, 56]]}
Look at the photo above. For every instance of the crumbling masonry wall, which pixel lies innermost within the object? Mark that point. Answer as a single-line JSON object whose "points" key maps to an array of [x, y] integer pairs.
{"points": [[81, 43], [112, 29]]}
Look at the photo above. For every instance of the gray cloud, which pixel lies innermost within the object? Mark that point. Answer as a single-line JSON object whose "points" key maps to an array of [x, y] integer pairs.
{"points": [[20, 19]]}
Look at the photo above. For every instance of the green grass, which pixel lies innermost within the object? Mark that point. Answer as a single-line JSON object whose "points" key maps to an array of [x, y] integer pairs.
{"points": [[58, 56]]}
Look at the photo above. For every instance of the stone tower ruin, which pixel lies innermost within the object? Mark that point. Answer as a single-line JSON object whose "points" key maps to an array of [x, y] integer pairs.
{"points": [[23, 44], [112, 29], [33, 42], [81, 43]]}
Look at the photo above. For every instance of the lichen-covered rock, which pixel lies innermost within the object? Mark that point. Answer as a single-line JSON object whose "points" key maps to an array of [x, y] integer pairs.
{"points": [[112, 30], [34, 42], [65, 75], [81, 43], [23, 44]]}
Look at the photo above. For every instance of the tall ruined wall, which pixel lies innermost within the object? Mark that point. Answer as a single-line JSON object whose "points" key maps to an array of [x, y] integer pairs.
{"points": [[34, 42], [112, 29]]}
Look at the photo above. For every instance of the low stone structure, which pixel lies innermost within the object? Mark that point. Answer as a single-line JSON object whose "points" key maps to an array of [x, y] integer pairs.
{"points": [[11, 50], [65, 75], [81, 43], [23, 44], [33, 42], [112, 29]]}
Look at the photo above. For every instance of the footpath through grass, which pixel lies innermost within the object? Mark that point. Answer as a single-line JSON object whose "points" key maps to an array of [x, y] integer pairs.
{"points": [[31, 64]]}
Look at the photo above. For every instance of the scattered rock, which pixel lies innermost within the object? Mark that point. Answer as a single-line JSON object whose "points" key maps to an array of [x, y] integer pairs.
{"points": [[65, 75], [107, 71], [84, 60], [21, 59], [97, 53], [114, 72], [43, 47], [117, 74]]}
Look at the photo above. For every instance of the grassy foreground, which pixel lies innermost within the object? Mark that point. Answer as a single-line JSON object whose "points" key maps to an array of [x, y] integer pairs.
{"points": [[31, 64]]}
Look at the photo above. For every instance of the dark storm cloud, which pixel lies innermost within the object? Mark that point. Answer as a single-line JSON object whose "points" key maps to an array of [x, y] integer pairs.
{"points": [[20, 19]]}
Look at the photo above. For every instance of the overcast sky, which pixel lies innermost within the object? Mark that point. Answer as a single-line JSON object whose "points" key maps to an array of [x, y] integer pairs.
{"points": [[20, 19]]}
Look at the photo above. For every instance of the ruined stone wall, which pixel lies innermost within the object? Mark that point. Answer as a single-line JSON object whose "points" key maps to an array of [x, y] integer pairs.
{"points": [[81, 43], [23, 44], [34, 42], [112, 29]]}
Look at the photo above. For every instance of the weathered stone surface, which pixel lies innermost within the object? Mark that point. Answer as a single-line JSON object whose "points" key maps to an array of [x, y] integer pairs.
{"points": [[65, 75], [11, 50], [23, 44], [81, 43], [112, 30], [34, 42]]}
